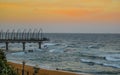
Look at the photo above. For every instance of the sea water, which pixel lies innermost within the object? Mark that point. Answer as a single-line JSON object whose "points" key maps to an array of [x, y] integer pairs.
{"points": [[97, 54]]}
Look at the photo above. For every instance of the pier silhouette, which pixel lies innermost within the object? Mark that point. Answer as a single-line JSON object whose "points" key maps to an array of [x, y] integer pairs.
{"points": [[35, 36]]}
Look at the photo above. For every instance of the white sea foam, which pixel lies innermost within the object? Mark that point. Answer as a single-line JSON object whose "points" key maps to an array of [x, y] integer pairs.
{"points": [[85, 60], [113, 57], [53, 50], [49, 44], [18, 53], [2, 45], [112, 65], [56, 50]]}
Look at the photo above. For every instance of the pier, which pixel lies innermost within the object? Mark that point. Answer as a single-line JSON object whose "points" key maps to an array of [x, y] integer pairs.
{"points": [[35, 36]]}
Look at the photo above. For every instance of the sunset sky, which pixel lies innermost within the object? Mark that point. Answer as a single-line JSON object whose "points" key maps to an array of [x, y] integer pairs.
{"points": [[77, 16]]}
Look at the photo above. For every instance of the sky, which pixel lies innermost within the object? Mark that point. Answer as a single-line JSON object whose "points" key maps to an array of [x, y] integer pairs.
{"points": [[61, 16]]}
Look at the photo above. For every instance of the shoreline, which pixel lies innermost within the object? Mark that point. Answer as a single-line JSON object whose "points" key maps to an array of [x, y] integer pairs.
{"points": [[30, 68]]}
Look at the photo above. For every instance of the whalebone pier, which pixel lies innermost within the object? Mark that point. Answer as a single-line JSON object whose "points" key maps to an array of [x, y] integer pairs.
{"points": [[24, 36]]}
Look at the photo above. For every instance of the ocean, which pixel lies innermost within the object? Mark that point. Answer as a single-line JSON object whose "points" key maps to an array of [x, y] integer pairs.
{"points": [[97, 54]]}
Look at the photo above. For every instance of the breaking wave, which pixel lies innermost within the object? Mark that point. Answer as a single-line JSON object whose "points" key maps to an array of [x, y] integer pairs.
{"points": [[113, 57], [92, 62]]}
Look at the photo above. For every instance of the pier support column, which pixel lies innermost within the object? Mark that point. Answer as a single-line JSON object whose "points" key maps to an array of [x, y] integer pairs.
{"points": [[7, 46], [40, 45], [23, 46]]}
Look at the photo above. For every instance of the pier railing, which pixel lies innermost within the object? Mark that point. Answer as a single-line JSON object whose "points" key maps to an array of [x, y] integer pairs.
{"points": [[21, 35]]}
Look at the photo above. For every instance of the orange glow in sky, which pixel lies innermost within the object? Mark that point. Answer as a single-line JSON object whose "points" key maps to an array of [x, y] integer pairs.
{"points": [[70, 16], [64, 10]]}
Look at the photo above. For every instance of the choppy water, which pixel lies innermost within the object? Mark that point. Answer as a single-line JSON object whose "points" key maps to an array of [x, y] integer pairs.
{"points": [[97, 54]]}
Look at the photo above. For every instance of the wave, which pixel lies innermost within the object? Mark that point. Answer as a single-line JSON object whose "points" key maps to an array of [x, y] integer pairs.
{"points": [[107, 57], [112, 65], [91, 62], [92, 56], [56, 51], [113, 57], [62, 45], [50, 44], [96, 46]]}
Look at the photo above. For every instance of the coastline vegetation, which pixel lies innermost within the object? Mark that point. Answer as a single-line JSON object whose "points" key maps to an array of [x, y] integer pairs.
{"points": [[5, 69]]}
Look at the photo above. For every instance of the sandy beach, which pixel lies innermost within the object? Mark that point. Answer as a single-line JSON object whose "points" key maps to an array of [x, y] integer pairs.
{"points": [[29, 70]]}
